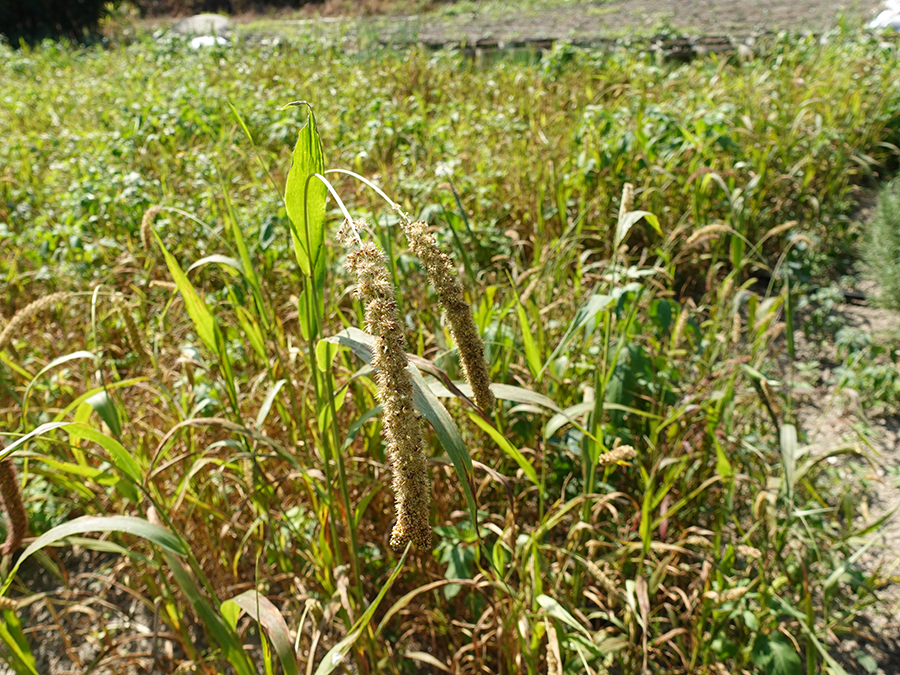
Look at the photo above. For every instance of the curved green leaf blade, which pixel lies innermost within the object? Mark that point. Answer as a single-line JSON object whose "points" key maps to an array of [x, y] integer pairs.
{"points": [[336, 654], [203, 319], [267, 615], [127, 524]]}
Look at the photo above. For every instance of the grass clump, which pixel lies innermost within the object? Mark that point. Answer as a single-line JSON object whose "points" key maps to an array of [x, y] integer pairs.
{"points": [[881, 247]]}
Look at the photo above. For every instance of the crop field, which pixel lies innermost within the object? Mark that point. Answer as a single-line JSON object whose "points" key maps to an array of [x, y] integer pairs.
{"points": [[388, 362]]}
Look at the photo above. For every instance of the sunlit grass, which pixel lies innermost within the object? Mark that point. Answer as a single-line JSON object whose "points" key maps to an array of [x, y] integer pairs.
{"points": [[208, 388]]}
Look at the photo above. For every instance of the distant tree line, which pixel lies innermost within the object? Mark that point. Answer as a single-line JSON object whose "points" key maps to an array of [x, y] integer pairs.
{"points": [[35, 20]]}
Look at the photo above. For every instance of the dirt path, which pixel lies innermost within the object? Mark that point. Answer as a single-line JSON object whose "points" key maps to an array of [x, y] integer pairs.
{"points": [[833, 417], [619, 18]]}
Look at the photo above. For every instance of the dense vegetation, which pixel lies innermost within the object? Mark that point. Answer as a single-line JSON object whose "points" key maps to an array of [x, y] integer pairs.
{"points": [[180, 397]]}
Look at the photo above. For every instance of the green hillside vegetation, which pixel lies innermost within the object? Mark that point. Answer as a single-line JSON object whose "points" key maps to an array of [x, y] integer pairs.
{"points": [[196, 383]]}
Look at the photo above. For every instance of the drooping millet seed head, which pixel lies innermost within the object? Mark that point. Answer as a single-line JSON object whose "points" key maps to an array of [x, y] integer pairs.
{"points": [[627, 203], [147, 228], [443, 276], [26, 314], [402, 426], [135, 335], [618, 454]]}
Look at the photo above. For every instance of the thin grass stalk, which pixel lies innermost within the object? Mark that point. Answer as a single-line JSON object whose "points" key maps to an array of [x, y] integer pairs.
{"points": [[312, 323]]}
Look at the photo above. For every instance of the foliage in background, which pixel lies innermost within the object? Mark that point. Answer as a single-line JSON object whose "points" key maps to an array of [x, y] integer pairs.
{"points": [[881, 246], [35, 20], [205, 388]]}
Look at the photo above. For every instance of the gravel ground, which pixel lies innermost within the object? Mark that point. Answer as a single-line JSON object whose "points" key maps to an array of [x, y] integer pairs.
{"points": [[618, 18]]}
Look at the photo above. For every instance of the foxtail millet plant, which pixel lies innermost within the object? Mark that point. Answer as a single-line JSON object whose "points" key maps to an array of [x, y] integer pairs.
{"points": [[402, 426], [24, 315], [147, 228], [13, 507], [138, 344], [444, 277]]}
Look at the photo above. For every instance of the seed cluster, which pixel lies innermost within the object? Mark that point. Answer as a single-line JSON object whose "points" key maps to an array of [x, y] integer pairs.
{"points": [[24, 315], [627, 203], [13, 507], [402, 426], [147, 228], [620, 454], [443, 276], [135, 337]]}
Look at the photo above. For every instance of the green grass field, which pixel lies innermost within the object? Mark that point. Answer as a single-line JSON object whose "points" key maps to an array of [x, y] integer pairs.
{"points": [[202, 393]]}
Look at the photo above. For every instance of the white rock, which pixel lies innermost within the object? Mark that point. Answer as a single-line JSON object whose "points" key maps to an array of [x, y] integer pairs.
{"points": [[208, 41], [205, 24], [889, 18]]}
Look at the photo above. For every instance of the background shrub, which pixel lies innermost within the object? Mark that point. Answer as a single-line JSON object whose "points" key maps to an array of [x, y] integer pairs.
{"points": [[36, 20]]}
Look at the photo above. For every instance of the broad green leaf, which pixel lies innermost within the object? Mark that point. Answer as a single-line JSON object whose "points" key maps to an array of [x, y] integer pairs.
{"points": [[304, 200], [106, 409], [325, 353], [304, 197], [336, 654], [507, 447], [789, 456], [773, 654], [18, 653], [267, 615], [532, 352], [203, 319], [121, 458], [630, 220], [557, 611]]}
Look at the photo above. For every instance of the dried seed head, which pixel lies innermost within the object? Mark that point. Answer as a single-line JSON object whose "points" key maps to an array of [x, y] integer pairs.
{"points": [[443, 276], [402, 427], [733, 594], [707, 231], [727, 287], [135, 336], [696, 540], [602, 577], [24, 315], [627, 203], [147, 228], [13, 507], [749, 551], [736, 327], [680, 325], [8, 603], [759, 506], [620, 454]]}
